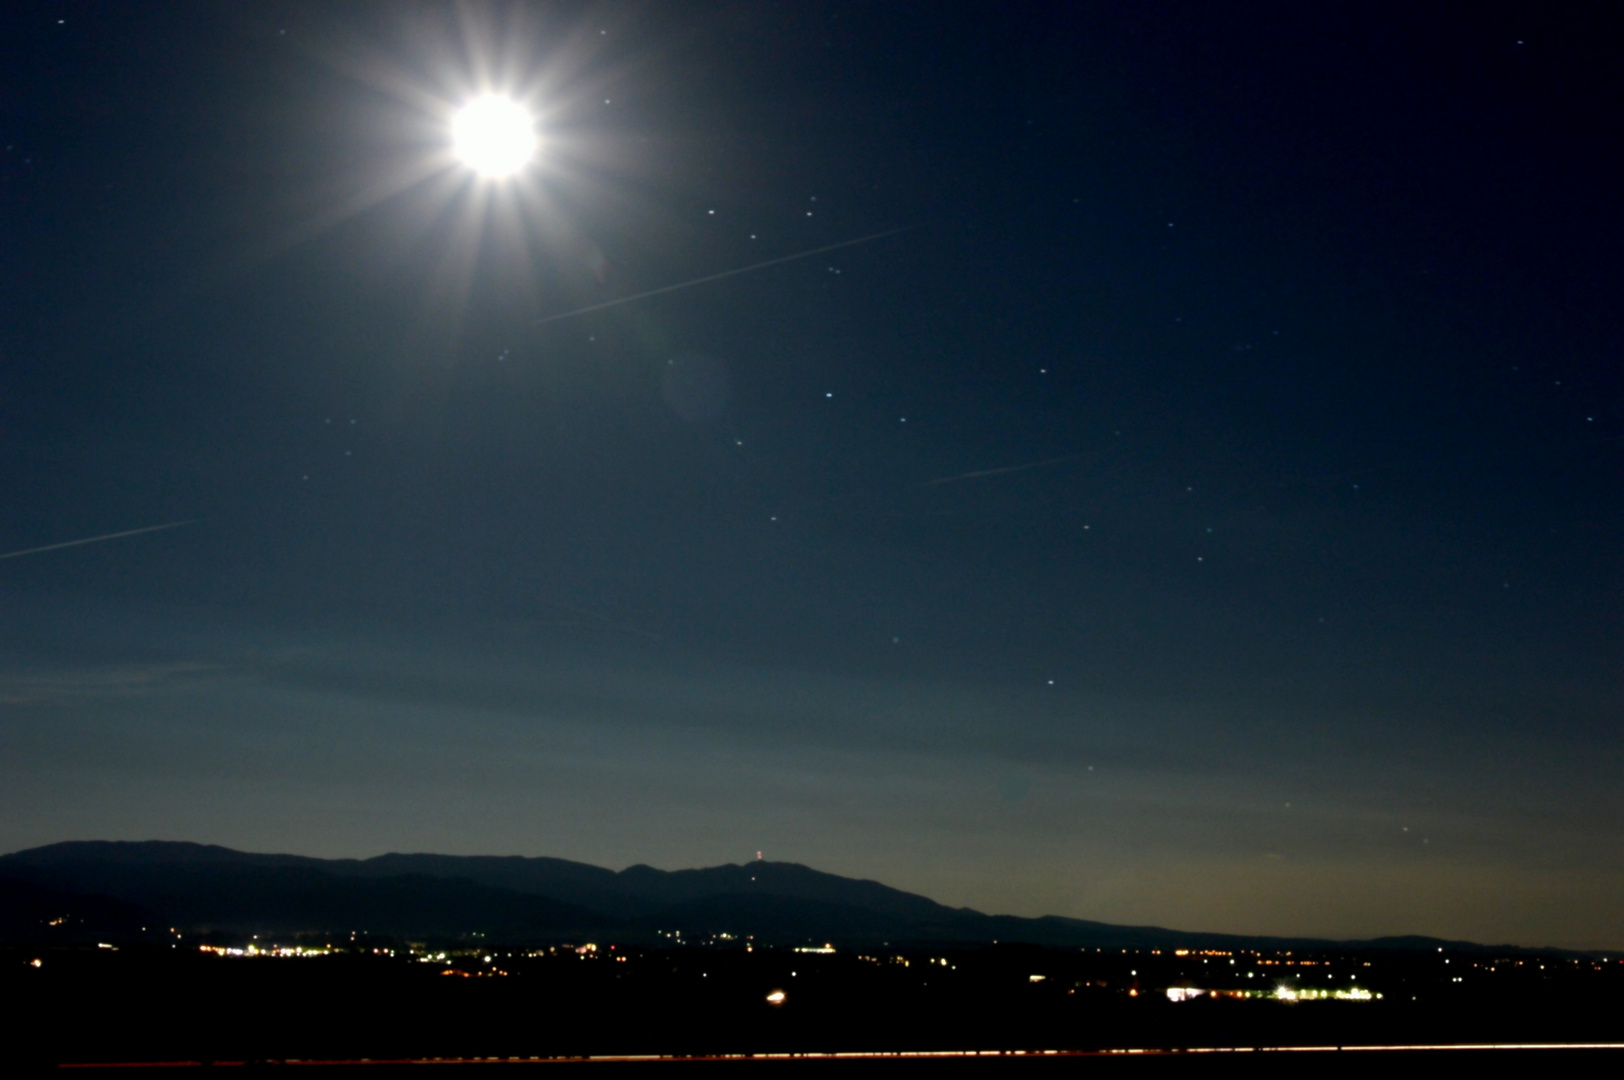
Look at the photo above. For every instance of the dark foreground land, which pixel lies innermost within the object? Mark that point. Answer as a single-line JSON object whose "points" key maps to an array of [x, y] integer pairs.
{"points": [[391, 1000]]}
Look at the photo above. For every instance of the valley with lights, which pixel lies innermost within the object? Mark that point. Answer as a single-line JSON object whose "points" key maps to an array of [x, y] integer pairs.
{"points": [[349, 999]]}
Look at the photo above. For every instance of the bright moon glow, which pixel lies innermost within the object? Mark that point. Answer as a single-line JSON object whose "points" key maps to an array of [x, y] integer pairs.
{"points": [[493, 136]]}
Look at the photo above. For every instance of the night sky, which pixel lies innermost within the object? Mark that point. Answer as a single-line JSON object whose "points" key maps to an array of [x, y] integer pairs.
{"points": [[1205, 510]]}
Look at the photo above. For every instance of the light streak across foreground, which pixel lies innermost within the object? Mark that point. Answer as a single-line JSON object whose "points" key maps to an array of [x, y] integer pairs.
{"points": [[863, 1055]]}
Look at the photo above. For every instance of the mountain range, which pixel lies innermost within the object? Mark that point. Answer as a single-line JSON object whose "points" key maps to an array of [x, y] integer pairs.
{"points": [[96, 890]]}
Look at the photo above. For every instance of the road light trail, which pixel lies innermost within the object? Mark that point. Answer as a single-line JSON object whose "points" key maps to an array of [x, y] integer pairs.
{"points": [[97, 539], [718, 277]]}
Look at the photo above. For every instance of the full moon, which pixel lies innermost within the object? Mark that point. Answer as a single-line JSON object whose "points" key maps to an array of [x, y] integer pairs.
{"points": [[494, 136]]}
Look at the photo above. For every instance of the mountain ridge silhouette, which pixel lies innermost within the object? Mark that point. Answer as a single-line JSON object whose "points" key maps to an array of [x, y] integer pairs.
{"points": [[519, 898]]}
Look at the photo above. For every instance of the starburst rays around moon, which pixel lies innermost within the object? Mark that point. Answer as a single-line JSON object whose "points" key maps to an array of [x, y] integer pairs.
{"points": [[466, 143]]}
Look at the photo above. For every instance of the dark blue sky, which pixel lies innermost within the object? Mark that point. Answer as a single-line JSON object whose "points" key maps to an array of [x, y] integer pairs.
{"points": [[1304, 616]]}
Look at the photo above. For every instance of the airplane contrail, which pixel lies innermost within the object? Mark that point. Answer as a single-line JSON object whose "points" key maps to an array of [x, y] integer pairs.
{"points": [[997, 472], [718, 277], [97, 539]]}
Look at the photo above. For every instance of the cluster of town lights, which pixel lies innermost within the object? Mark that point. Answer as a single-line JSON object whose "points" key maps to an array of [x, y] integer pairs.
{"points": [[269, 950], [1282, 992]]}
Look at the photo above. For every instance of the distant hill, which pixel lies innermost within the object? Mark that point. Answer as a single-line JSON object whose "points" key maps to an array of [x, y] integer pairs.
{"points": [[121, 885], [31, 914]]}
